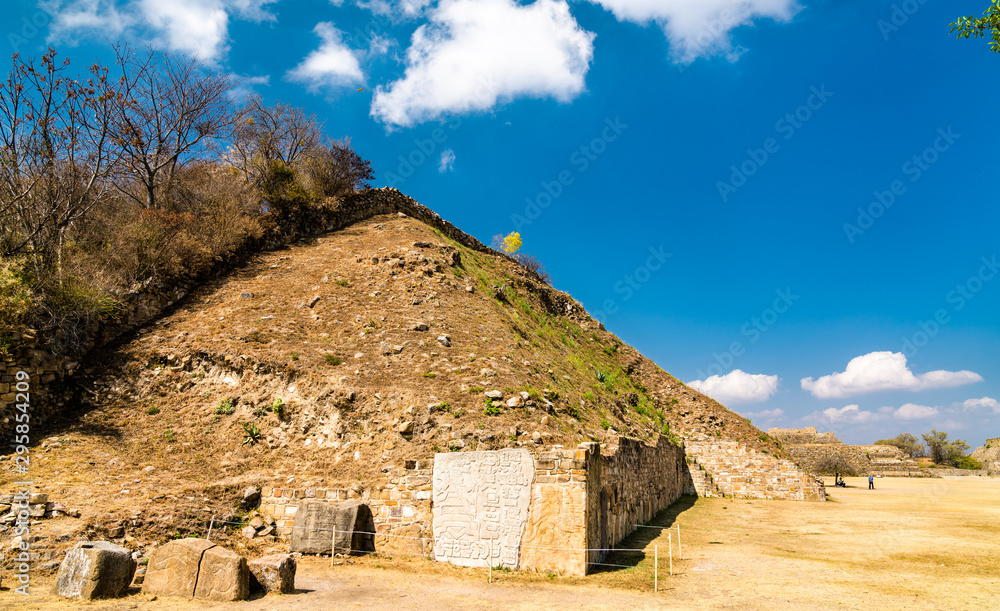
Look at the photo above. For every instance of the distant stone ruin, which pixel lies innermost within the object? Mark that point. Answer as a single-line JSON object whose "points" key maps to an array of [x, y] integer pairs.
{"points": [[810, 450], [989, 455]]}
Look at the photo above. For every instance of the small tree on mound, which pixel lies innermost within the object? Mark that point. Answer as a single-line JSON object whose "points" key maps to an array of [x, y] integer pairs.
{"points": [[837, 466]]}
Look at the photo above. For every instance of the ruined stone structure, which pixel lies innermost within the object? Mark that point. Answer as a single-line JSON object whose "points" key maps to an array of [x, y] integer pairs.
{"points": [[551, 510], [808, 435], [810, 450], [733, 469], [989, 455]]}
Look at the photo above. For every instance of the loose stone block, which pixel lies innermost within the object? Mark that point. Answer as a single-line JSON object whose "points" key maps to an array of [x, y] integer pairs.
{"points": [[199, 569], [315, 521], [274, 573], [97, 569], [481, 504]]}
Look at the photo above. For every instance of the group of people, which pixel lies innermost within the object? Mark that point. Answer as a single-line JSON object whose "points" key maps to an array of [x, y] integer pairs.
{"points": [[839, 482]]}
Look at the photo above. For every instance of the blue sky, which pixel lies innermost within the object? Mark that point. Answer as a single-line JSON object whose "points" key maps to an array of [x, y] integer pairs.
{"points": [[790, 204]]}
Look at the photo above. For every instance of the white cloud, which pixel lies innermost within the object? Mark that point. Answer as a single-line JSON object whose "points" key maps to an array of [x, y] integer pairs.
{"points": [[380, 45], [767, 414], [851, 414], [737, 386], [447, 161], [879, 371], [395, 9], [911, 411], [199, 28], [84, 16], [700, 28], [476, 53], [333, 64], [195, 27], [247, 85], [253, 10], [983, 403]]}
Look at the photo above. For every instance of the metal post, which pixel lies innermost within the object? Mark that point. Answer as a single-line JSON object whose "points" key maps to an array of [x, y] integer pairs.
{"points": [[671, 554], [680, 552], [656, 568], [210, 525]]}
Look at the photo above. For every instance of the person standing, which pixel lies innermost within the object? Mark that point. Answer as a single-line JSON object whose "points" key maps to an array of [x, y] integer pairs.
{"points": [[871, 481]]}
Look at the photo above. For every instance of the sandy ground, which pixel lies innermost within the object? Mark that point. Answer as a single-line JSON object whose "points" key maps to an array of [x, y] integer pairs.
{"points": [[909, 544]]}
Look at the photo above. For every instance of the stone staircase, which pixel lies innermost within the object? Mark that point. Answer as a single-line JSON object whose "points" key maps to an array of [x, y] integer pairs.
{"points": [[699, 481], [735, 470]]}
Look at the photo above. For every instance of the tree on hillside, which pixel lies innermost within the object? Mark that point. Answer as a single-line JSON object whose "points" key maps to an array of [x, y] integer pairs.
{"points": [[167, 112], [945, 452], [55, 156], [267, 134], [981, 27], [908, 444], [335, 169]]}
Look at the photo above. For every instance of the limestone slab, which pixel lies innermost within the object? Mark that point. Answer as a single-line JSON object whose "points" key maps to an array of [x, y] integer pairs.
{"points": [[274, 573], [97, 569], [481, 502], [197, 568], [315, 521]]}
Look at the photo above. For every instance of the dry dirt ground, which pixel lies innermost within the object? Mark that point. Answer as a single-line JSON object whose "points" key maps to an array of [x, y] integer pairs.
{"points": [[909, 544]]}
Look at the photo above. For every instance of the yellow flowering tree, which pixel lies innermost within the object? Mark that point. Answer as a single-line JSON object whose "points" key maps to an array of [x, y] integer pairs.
{"points": [[512, 243]]}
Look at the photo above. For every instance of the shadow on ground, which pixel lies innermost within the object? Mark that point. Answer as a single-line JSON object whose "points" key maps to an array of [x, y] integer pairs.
{"points": [[642, 537]]}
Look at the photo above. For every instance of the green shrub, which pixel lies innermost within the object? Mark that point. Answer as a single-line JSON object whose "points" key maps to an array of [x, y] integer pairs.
{"points": [[169, 435], [153, 411], [605, 424], [493, 410], [333, 360], [295, 356], [251, 433], [225, 407], [430, 374], [342, 282], [968, 462], [16, 296], [475, 390], [278, 407]]}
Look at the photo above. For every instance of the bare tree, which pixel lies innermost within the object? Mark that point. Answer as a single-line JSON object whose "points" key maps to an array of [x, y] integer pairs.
{"points": [[265, 134], [55, 154], [336, 169], [167, 113]]}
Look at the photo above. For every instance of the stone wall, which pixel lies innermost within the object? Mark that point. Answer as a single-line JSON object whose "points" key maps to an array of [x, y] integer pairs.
{"points": [[802, 436], [51, 361], [887, 461], [580, 502], [743, 472], [401, 507]]}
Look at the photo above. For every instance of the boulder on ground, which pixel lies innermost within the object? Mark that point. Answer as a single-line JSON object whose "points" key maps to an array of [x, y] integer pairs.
{"points": [[316, 520], [95, 569], [197, 568], [274, 573]]}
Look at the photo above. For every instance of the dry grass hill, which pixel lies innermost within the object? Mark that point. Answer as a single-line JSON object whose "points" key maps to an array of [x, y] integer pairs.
{"points": [[326, 363]]}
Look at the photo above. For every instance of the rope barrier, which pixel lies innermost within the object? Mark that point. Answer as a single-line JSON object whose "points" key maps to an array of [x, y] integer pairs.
{"points": [[610, 551]]}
